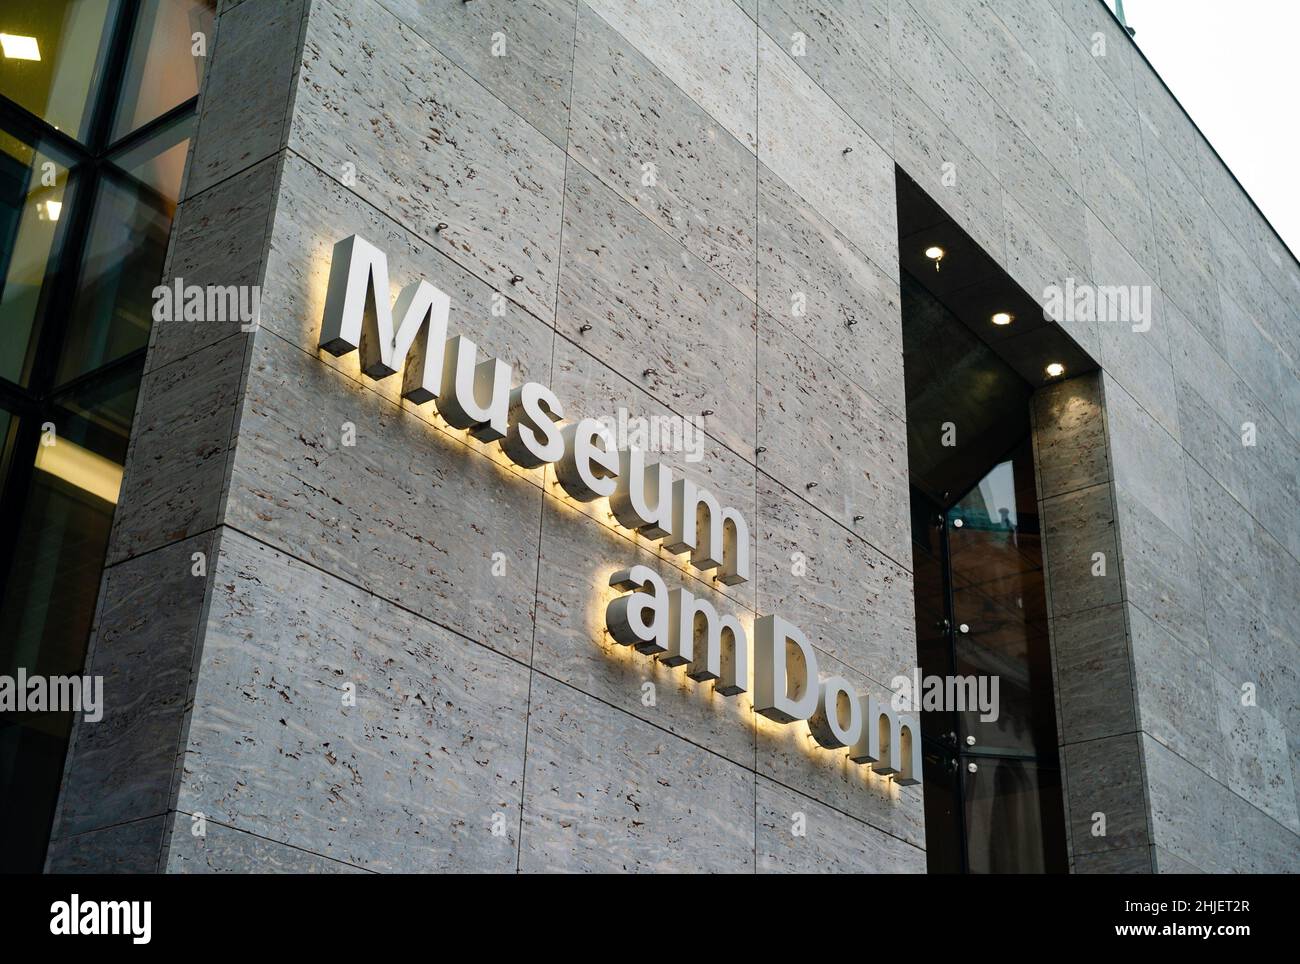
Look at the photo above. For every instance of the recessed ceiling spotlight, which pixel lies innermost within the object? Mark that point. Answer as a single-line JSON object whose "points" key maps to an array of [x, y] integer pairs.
{"points": [[935, 254], [1003, 318], [16, 47], [1055, 370]]}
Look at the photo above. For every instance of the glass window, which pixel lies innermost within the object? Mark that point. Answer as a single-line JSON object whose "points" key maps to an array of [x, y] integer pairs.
{"points": [[76, 470], [52, 53], [158, 161], [168, 53], [992, 788], [125, 248], [84, 222], [34, 194], [1013, 817]]}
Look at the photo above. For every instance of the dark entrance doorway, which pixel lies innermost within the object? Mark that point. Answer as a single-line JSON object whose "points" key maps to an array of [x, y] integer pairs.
{"points": [[993, 800]]}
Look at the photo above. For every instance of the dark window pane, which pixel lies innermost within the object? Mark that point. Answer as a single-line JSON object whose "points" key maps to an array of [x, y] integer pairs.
{"points": [[162, 69], [999, 596], [158, 162], [31, 762], [1014, 821], [50, 591], [51, 55], [942, 812], [122, 264], [35, 196]]}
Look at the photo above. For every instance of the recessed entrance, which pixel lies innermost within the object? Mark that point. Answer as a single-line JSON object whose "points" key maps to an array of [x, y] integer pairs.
{"points": [[976, 349]]}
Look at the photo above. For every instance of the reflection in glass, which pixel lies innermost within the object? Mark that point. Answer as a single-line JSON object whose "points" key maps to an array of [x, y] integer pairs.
{"points": [[999, 595], [34, 194], [168, 53], [49, 600], [158, 161], [1013, 818], [53, 57], [123, 260]]}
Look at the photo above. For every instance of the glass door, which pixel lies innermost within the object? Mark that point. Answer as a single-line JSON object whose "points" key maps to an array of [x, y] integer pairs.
{"points": [[993, 801]]}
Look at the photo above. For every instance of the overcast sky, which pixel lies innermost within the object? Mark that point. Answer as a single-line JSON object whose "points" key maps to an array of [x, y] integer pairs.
{"points": [[1232, 64]]}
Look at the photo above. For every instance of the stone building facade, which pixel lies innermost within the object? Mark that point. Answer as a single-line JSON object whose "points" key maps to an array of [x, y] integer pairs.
{"points": [[621, 199]]}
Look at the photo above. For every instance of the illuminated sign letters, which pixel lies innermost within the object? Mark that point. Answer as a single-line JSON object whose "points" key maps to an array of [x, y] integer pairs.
{"points": [[673, 626]]}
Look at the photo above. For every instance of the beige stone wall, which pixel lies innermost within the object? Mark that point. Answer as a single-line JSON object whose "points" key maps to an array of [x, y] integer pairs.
{"points": [[496, 700]]}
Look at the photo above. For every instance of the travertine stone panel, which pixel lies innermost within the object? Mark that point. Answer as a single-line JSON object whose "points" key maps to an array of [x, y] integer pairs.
{"points": [[1213, 442], [177, 461], [219, 238], [656, 314], [315, 212], [1147, 459], [789, 755], [1075, 527], [1181, 223], [248, 88], [830, 442], [521, 52], [924, 147], [1113, 266], [705, 47], [661, 152], [849, 600], [1175, 693], [589, 388], [1025, 90], [1035, 260], [224, 850], [1043, 185], [833, 842], [573, 645], [844, 49], [128, 848], [1094, 673], [1132, 860], [407, 513], [405, 775], [378, 106], [925, 63], [122, 768], [1105, 776], [839, 170], [609, 792], [1167, 863], [1161, 576], [821, 288], [1070, 436], [1164, 123], [1192, 816], [1257, 765], [1096, 28]]}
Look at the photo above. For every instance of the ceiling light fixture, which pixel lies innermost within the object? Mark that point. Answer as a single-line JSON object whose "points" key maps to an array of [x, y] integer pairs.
{"points": [[1003, 318], [19, 48], [935, 254], [1055, 370]]}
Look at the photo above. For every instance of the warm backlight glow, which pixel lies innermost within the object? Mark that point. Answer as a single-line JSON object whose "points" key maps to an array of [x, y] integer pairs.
{"points": [[81, 467], [19, 48]]}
